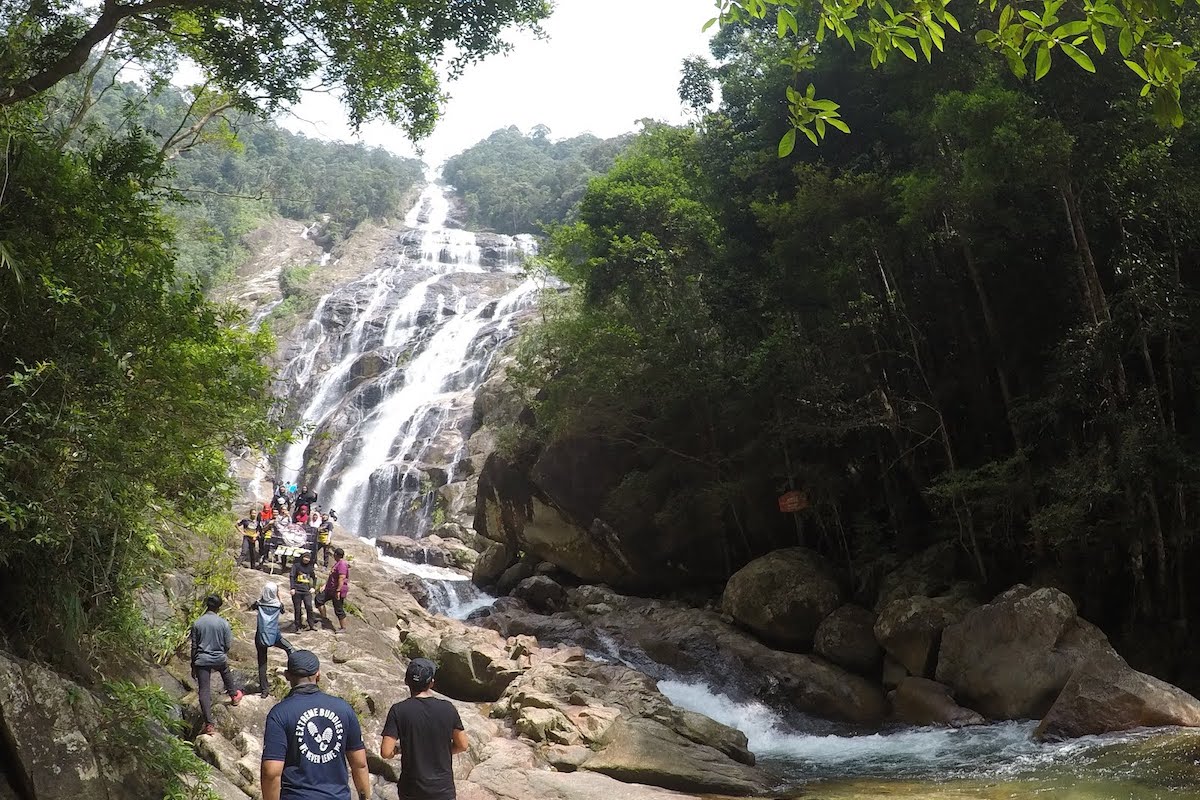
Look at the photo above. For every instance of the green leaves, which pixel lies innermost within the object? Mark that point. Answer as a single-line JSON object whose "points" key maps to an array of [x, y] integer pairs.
{"points": [[1043, 62], [787, 144], [1078, 56], [1021, 31], [811, 117]]}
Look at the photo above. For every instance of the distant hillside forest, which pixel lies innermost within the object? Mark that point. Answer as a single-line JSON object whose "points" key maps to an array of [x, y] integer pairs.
{"points": [[516, 183], [238, 169]]}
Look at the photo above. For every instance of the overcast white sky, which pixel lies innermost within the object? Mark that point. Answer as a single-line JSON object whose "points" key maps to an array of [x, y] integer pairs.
{"points": [[605, 65]]}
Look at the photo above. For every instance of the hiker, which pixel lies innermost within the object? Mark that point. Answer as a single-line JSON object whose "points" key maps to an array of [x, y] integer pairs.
{"points": [[312, 742], [426, 731], [268, 634], [304, 581], [267, 541], [337, 586], [301, 517], [324, 538], [211, 639], [248, 538]]}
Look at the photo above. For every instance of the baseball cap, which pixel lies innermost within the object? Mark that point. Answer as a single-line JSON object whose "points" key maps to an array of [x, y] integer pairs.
{"points": [[420, 672], [303, 663]]}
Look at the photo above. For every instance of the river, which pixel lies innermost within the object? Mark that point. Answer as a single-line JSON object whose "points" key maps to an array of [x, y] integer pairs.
{"points": [[387, 369]]}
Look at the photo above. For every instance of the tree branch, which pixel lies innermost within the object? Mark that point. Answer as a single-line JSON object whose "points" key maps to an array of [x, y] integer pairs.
{"points": [[74, 59]]}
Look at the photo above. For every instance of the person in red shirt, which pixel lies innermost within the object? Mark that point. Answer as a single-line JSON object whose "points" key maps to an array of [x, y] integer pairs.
{"points": [[337, 586]]}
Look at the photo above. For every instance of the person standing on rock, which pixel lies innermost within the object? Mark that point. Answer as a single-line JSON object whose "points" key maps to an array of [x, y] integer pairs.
{"points": [[211, 639], [427, 732], [337, 586], [324, 537], [313, 742], [304, 581], [267, 633], [248, 539]]}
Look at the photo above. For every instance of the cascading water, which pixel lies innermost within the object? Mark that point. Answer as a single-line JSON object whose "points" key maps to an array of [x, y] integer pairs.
{"points": [[998, 760], [384, 374]]}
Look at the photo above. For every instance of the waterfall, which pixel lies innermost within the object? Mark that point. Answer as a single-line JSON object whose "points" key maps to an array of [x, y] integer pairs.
{"points": [[384, 373], [451, 593]]}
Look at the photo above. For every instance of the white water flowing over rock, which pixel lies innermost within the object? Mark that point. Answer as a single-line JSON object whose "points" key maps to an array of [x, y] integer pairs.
{"points": [[383, 375], [1004, 750]]}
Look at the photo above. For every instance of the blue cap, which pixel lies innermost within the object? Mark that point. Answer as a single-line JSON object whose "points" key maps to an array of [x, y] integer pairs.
{"points": [[303, 663]]}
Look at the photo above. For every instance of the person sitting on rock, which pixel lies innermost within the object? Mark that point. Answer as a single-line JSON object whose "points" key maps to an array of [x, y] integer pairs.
{"points": [[211, 639], [304, 581], [267, 633], [427, 732], [337, 587], [311, 741]]}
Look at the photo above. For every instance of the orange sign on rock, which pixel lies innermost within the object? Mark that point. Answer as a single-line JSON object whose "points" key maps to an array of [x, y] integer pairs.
{"points": [[793, 501]]}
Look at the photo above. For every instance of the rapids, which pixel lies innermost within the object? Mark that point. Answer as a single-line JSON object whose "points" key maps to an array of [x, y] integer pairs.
{"points": [[382, 380]]}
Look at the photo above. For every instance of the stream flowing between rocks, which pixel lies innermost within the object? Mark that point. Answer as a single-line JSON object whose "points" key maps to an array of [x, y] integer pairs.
{"points": [[384, 378]]}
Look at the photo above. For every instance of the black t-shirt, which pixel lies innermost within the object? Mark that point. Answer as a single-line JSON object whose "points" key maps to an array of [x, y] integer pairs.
{"points": [[423, 726]]}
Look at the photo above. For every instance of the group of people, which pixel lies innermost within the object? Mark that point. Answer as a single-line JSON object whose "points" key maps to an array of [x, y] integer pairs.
{"points": [[289, 517], [313, 743]]}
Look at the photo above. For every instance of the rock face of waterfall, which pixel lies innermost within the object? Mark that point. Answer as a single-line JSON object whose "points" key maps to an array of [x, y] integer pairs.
{"points": [[382, 378]]}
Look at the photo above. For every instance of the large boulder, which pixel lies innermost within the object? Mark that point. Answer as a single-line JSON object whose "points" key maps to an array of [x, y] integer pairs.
{"points": [[1009, 659], [783, 596], [920, 701], [910, 630], [847, 638], [493, 562], [473, 670], [641, 750], [1105, 694], [542, 594], [60, 739], [510, 508]]}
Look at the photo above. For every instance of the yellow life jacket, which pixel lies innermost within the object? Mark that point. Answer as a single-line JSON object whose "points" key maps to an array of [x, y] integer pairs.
{"points": [[323, 537], [303, 577]]}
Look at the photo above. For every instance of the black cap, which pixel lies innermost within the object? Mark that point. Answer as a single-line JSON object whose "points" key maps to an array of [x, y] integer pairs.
{"points": [[303, 663], [420, 672]]}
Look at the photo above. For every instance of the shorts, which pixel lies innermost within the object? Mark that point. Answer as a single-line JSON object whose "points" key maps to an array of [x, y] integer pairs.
{"points": [[339, 603]]}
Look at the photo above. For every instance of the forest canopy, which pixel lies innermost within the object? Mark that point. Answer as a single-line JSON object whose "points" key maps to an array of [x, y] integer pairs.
{"points": [[970, 323], [516, 183]]}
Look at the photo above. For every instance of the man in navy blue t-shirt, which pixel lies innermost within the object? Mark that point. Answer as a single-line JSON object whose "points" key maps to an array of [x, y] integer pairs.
{"points": [[310, 739]]}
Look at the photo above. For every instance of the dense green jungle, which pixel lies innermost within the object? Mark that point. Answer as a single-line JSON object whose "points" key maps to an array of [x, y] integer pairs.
{"points": [[971, 320], [948, 293]]}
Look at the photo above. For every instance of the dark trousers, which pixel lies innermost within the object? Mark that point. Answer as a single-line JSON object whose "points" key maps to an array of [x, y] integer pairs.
{"points": [[266, 550], [283, 645], [328, 548], [204, 687], [303, 599], [339, 604], [247, 551]]}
